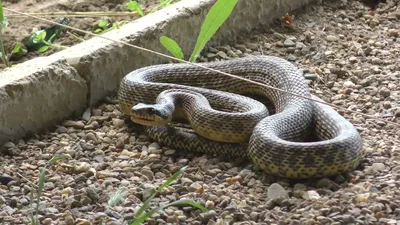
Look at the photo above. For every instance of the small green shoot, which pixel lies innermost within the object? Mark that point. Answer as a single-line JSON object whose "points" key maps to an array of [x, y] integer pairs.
{"points": [[3, 26], [19, 49], [141, 216], [42, 176], [116, 197], [105, 26], [217, 15], [102, 26], [134, 6], [176, 203]]}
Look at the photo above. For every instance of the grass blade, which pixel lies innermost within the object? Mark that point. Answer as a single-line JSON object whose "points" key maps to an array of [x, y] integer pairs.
{"points": [[1, 11], [42, 177], [165, 184], [187, 202], [179, 202], [172, 47], [171, 179], [214, 19]]}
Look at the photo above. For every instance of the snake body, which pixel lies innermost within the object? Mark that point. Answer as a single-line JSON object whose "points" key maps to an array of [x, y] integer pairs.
{"points": [[278, 143]]}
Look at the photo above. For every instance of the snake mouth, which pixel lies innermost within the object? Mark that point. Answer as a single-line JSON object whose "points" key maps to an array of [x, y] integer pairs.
{"points": [[143, 120]]}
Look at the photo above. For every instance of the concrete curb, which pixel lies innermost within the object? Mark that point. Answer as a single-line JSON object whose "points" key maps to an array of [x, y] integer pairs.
{"points": [[41, 92]]}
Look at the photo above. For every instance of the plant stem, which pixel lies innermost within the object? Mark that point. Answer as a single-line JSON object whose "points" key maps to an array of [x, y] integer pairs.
{"points": [[3, 51], [76, 37]]}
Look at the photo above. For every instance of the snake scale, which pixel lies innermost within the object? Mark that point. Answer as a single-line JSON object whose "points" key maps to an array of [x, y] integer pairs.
{"points": [[277, 143]]}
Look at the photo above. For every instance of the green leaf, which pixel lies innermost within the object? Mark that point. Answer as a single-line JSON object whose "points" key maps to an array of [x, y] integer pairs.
{"points": [[98, 30], [55, 159], [172, 47], [134, 6], [214, 19], [39, 36], [143, 218], [103, 23], [43, 48], [19, 49]]}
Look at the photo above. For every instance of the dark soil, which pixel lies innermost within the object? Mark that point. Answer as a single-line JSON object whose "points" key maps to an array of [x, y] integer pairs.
{"points": [[20, 28]]}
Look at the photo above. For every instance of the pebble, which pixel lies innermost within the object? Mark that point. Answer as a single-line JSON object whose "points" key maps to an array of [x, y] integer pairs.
{"points": [[376, 61], [74, 124], [384, 92], [118, 123], [378, 167], [148, 173], [289, 43], [332, 38], [222, 55], [41, 145], [153, 147], [206, 216], [147, 191], [393, 32], [2, 200], [5, 179], [353, 59], [311, 195], [276, 191], [348, 84]]}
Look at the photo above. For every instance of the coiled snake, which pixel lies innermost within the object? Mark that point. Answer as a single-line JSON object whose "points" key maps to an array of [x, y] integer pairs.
{"points": [[276, 143]]}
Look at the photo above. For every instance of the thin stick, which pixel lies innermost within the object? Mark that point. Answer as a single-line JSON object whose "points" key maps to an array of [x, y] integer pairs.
{"points": [[204, 67], [76, 14]]}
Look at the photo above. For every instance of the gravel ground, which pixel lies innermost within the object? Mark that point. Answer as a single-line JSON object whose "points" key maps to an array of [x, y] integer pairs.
{"points": [[356, 57]]}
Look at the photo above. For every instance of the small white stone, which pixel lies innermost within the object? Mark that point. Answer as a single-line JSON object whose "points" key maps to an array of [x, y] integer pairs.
{"points": [[332, 38], [311, 195], [153, 147], [276, 191], [348, 84], [378, 166]]}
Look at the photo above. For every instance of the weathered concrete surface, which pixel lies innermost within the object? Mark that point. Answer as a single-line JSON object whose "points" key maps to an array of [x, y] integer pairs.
{"points": [[38, 94], [41, 92]]}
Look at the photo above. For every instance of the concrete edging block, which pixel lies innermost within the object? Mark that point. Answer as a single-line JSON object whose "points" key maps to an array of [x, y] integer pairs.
{"points": [[51, 88], [37, 94]]}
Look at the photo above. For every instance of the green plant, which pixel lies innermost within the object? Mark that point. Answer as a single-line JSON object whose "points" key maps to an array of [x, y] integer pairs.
{"points": [[102, 26], [42, 176], [134, 6], [3, 26], [40, 37], [140, 215], [217, 15], [18, 49], [105, 25]]}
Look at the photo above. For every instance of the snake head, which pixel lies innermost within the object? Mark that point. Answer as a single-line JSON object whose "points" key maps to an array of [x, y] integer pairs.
{"points": [[150, 115]]}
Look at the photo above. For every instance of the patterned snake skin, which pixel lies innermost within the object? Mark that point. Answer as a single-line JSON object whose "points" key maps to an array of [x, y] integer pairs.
{"points": [[278, 143]]}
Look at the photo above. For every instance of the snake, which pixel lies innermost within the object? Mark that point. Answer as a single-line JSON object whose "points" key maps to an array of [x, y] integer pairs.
{"points": [[301, 138]]}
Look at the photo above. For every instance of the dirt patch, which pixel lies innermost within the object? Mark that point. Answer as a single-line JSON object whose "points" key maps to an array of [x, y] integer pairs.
{"points": [[21, 28]]}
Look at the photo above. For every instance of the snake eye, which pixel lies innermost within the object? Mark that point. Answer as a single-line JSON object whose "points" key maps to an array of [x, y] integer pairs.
{"points": [[150, 111]]}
